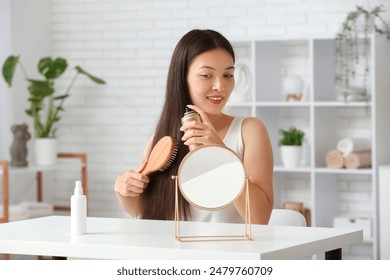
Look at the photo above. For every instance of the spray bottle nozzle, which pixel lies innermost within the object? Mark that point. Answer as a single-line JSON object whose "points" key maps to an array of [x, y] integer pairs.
{"points": [[78, 189], [189, 112]]}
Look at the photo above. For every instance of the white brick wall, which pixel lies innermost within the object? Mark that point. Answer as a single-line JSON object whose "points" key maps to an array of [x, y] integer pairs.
{"points": [[129, 43]]}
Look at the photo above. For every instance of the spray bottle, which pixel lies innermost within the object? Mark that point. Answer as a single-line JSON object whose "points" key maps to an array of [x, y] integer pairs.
{"points": [[78, 210], [191, 115]]}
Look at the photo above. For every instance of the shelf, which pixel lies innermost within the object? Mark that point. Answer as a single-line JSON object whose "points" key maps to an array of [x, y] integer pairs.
{"points": [[6, 170], [362, 171], [342, 104], [239, 104], [292, 170], [323, 170], [282, 104], [331, 104], [30, 169], [35, 168], [324, 118], [368, 239]]}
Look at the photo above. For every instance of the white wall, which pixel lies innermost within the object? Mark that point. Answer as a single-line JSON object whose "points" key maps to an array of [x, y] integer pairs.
{"points": [[31, 39], [5, 94], [129, 43], [25, 31]]}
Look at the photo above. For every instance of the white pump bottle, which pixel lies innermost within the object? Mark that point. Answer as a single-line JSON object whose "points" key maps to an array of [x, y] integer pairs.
{"points": [[78, 210]]}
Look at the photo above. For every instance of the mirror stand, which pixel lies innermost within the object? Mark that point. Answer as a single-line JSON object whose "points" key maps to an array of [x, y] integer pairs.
{"points": [[247, 229]]}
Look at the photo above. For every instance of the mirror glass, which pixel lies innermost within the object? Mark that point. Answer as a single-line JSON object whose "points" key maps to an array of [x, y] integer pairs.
{"points": [[211, 177]]}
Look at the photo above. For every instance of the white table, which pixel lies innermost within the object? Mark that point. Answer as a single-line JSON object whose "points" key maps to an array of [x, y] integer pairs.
{"points": [[114, 238]]}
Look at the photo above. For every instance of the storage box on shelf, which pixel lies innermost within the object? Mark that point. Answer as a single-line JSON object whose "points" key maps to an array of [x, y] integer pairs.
{"points": [[329, 193], [355, 223]]}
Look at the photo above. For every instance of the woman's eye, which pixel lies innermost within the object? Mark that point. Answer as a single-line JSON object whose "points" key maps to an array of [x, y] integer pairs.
{"points": [[206, 76], [229, 76]]}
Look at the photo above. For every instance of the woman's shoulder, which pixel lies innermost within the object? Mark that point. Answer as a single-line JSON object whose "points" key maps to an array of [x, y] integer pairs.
{"points": [[252, 127], [247, 123], [252, 123]]}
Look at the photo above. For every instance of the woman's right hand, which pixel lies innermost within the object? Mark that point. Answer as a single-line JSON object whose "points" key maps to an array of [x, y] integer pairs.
{"points": [[132, 183]]}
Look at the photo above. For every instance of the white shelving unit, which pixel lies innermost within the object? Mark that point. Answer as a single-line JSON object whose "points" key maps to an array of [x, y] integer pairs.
{"points": [[325, 120], [384, 209]]}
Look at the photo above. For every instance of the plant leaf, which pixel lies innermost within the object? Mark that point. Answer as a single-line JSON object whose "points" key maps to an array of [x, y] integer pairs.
{"points": [[93, 78], [61, 96], [52, 69], [40, 89], [9, 68], [291, 137], [38, 127], [28, 112]]}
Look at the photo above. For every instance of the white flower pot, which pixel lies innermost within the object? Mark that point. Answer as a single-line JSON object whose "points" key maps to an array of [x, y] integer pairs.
{"points": [[293, 87], [45, 151], [291, 155]]}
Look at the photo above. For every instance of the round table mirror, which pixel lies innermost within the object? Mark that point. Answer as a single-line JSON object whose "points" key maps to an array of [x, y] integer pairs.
{"points": [[211, 177]]}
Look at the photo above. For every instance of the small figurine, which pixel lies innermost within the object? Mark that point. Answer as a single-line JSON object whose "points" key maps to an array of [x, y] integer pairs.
{"points": [[19, 148]]}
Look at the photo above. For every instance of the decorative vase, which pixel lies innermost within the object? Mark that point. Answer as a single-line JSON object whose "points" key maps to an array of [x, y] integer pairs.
{"points": [[293, 88], [291, 156], [243, 83], [45, 150]]}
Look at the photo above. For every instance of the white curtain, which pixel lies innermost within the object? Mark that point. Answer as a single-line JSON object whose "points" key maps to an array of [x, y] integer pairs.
{"points": [[6, 113]]}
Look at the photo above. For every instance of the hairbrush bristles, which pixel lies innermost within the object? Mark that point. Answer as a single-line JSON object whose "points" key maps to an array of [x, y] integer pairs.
{"points": [[161, 156], [175, 149]]}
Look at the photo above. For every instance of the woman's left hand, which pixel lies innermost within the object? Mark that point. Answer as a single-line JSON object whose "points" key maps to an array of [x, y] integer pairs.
{"points": [[202, 133]]}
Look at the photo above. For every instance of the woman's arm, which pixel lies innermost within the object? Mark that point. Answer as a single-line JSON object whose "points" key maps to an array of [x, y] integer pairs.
{"points": [[258, 162], [130, 185]]}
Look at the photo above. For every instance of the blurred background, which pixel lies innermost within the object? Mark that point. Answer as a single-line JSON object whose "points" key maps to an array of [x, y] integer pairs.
{"points": [[128, 43]]}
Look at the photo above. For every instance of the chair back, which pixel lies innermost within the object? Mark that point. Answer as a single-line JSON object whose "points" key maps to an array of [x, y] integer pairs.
{"points": [[286, 217]]}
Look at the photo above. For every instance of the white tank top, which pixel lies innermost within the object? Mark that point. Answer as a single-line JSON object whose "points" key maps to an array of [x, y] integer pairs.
{"points": [[232, 140]]}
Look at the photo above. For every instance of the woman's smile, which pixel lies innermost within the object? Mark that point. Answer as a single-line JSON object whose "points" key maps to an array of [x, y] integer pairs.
{"points": [[215, 99]]}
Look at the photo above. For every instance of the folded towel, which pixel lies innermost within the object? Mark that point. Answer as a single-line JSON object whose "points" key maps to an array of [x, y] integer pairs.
{"points": [[349, 145], [28, 210], [334, 159], [16, 213], [358, 160]]}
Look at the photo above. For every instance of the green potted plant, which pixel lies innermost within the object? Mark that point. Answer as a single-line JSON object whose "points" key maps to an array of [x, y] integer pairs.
{"points": [[45, 105], [290, 143], [352, 50]]}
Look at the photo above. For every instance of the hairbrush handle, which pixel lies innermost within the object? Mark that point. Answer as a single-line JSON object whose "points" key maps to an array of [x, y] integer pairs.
{"points": [[141, 168], [147, 170]]}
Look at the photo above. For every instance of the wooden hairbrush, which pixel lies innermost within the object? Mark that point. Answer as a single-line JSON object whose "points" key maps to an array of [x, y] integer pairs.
{"points": [[161, 156]]}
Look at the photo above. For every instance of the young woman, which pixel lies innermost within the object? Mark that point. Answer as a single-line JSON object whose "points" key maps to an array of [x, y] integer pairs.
{"points": [[201, 73]]}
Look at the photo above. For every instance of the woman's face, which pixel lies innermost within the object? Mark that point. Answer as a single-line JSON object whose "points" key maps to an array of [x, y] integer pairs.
{"points": [[210, 80]]}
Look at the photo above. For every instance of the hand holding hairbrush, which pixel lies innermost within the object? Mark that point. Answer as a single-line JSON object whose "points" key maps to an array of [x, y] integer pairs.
{"points": [[161, 156]]}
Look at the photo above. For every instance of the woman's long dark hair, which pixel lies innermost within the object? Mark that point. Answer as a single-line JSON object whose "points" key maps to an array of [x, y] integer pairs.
{"points": [[158, 199]]}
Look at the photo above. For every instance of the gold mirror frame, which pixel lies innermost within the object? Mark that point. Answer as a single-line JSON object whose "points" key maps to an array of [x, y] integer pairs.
{"points": [[247, 227]]}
